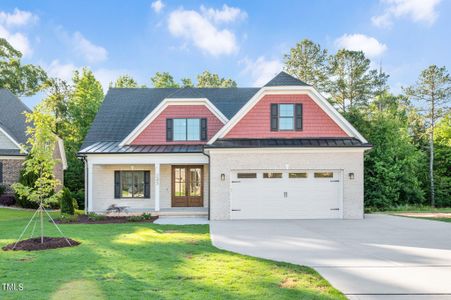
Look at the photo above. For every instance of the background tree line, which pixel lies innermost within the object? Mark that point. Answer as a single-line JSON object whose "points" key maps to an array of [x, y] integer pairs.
{"points": [[411, 132]]}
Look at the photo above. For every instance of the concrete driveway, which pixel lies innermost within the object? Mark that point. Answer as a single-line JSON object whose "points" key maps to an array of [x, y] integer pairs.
{"points": [[378, 257]]}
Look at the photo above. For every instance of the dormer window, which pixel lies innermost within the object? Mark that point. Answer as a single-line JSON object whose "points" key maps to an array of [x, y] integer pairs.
{"points": [[186, 129], [286, 117]]}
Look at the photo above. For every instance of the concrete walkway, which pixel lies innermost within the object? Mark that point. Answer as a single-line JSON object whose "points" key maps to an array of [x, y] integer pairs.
{"points": [[380, 257]]}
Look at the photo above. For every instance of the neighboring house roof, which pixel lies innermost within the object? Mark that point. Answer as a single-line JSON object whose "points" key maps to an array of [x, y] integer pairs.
{"points": [[129, 106], [284, 79], [12, 119], [276, 143]]}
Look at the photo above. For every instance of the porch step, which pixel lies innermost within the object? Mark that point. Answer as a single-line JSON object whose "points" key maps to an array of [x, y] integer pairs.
{"points": [[182, 212]]}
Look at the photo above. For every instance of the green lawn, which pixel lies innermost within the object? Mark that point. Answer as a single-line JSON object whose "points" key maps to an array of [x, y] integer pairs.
{"points": [[417, 209], [147, 261]]}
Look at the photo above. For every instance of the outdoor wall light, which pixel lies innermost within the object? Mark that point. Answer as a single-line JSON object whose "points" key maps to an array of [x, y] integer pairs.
{"points": [[222, 177], [351, 176]]}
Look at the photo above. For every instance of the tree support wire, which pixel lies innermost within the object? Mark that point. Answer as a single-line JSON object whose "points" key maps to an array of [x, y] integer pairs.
{"points": [[41, 211]]}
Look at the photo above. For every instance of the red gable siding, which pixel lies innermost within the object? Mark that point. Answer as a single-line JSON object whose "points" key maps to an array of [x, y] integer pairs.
{"points": [[155, 133], [256, 123]]}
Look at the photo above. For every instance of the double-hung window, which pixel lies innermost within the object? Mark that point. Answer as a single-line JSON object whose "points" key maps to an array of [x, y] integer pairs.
{"points": [[186, 129], [286, 117], [132, 184]]}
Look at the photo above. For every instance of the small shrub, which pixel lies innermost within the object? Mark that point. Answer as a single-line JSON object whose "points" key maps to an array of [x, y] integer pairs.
{"points": [[7, 200], [67, 205], [95, 217], [65, 218], [74, 203], [79, 196], [147, 216], [140, 218]]}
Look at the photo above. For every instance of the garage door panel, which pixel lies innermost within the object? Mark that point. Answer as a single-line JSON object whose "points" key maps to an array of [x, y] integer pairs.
{"points": [[286, 198]]}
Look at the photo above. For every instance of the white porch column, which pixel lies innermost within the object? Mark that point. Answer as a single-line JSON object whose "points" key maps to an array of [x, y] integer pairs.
{"points": [[90, 182], [157, 187]]}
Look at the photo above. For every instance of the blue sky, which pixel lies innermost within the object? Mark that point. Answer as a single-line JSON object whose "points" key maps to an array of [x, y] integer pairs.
{"points": [[244, 40]]}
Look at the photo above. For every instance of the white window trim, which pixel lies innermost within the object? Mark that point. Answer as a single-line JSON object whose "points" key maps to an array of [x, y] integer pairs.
{"points": [[162, 106], [298, 90]]}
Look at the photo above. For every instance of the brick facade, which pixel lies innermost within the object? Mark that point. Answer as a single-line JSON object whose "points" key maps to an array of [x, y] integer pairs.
{"points": [[11, 170], [256, 123]]}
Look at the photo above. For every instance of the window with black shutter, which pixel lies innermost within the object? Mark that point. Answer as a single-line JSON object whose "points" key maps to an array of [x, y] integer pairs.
{"points": [[131, 184], [169, 129], [203, 129], [298, 116], [286, 117], [1, 172], [274, 117]]}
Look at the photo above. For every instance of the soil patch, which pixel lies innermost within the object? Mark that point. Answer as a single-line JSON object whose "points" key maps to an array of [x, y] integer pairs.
{"points": [[34, 244], [85, 219]]}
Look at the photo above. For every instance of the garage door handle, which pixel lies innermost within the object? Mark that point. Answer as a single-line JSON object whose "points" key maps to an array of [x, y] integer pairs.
{"points": [[334, 209], [335, 181], [236, 209], [236, 181]]}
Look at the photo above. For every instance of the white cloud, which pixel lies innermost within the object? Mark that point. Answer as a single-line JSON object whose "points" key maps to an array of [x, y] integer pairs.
{"points": [[18, 40], [92, 53], [62, 71], [423, 11], [227, 14], [360, 42], [157, 6], [65, 71], [17, 18], [197, 29], [262, 70]]}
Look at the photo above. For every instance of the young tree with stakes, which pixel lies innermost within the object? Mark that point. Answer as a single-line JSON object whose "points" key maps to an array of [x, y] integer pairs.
{"points": [[42, 141]]}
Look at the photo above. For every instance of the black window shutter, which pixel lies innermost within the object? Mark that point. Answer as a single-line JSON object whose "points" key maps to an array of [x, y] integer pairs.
{"points": [[1, 172], [274, 117], [146, 184], [298, 122], [117, 184], [169, 129], [203, 129]]}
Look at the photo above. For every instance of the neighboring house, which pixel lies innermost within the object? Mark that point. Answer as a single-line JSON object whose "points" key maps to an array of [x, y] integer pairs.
{"points": [[280, 152], [13, 135]]}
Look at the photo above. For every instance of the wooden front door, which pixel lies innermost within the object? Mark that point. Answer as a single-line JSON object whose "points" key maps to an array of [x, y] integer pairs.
{"points": [[187, 186]]}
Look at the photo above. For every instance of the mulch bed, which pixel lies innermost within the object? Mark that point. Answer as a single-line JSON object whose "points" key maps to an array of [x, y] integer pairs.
{"points": [[84, 219], [34, 244]]}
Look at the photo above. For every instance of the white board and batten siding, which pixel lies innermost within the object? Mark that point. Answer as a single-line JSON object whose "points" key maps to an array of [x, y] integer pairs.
{"points": [[286, 194]]}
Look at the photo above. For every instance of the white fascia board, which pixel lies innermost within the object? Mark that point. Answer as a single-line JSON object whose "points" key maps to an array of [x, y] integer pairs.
{"points": [[130, 159], [62, 152], [12, 140], [287, 150], [283, 90], [15, 157], [163, 105]]}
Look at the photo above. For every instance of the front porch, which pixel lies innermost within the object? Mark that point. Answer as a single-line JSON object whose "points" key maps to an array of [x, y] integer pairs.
{"points": [[163, 185]]}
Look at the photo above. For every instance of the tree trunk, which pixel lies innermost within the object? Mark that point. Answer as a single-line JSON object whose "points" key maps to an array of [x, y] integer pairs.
{"points": [[431, 167], [42, 224]]}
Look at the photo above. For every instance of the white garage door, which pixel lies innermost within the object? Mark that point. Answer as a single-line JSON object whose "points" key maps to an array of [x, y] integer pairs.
{"points": [[287, 194]]}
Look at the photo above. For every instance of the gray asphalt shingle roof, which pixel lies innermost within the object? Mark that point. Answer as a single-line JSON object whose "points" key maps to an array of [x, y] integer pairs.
{"points": [[12, 119], [124, 108], [284, 79]]}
